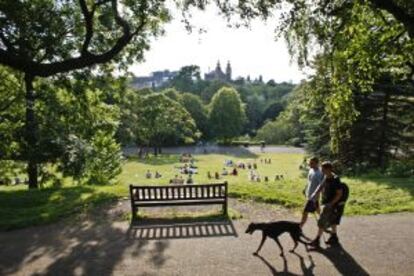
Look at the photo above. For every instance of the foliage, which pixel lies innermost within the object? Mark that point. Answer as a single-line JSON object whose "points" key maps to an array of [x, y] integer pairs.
{"points": [[198, 112], [227, 115], [287, 127], [156, 120], [401, 168], [43, 38], [11, 112], [188, 79], [104, 160]]}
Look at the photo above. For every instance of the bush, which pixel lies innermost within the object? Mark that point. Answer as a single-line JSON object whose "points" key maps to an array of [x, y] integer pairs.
{"points": [[276, 132], [400, 168], [97, 161]]}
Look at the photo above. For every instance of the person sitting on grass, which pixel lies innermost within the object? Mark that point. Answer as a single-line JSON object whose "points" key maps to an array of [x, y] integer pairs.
{"points": [[250, 175], [255, 166], [224, 172], [190, 180], [315, 177], [148, 175], [266, 179], [216, 175], [157, 174], [209, 176], [234, 172], [334, 195]]}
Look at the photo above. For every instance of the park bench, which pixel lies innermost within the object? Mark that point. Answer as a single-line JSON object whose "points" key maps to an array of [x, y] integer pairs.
{"points": [[158, 196]]}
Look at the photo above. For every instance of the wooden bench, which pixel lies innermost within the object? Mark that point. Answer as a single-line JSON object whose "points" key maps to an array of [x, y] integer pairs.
{"points": [[156, 196]]}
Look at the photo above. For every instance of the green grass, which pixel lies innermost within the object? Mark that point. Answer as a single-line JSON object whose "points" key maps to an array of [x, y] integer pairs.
{"points": [[368, 195]]}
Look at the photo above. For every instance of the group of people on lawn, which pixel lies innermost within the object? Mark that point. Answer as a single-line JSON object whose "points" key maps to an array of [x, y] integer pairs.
{"points": [[189, 169], [149, 174], [324, 186]]}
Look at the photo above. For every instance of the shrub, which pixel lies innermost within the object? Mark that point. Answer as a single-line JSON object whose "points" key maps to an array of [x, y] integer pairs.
{"points": [[400, 168]]}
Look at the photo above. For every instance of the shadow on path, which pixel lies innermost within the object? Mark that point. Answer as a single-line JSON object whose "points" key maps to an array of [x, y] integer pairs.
{"points": [[343, 261], [273, 270], [93, 246], [158, 229]]}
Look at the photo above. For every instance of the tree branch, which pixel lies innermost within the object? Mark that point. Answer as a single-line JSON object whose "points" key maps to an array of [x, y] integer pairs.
{"points": [[6, 42], [7, 105], [398, 12], [48, 69], [88, 16]]}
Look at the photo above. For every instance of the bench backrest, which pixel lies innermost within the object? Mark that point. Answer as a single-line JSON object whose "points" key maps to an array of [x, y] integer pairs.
{"points": [[187, 192]]}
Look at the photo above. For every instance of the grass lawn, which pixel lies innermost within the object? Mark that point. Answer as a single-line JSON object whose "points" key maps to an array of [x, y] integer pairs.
{"points": [[20, 207]]}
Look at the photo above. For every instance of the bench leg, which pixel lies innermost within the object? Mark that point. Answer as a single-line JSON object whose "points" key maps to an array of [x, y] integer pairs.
{"points": [[225, 209], [134, 213]]}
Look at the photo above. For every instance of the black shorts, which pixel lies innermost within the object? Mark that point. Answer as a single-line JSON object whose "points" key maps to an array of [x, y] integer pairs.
{"points": [[311, 206], [339, 211]]}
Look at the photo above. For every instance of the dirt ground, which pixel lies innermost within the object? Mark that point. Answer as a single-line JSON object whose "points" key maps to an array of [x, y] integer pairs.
{"points": [[103, 242]]}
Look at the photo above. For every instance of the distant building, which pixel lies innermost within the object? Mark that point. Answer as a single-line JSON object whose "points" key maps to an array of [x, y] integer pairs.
{"points": [[218, 74], [157, 79]]}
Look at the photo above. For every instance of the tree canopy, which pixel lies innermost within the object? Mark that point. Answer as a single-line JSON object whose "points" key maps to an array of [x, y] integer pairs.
{"points": [[227, 115]]}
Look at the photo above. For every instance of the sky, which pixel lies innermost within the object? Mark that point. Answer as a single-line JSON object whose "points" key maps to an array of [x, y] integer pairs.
{"points": [[252, 51]]}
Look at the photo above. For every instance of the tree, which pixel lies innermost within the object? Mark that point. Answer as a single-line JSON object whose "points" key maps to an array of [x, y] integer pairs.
{"points": [[172, 93], [42, 38], [187, 79], [70, 113], [77, 120], [198, 112], [227, 116], [155, 120]]}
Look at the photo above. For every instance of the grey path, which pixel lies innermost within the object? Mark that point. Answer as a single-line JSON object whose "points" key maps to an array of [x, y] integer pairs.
{"points": [[102, 243], [237, 151]]}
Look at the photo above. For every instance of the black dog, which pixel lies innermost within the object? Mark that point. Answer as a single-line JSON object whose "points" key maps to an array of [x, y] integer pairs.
{"points": [[275, 229]]}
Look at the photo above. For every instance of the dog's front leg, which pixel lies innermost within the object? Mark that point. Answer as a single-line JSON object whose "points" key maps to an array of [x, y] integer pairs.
{"points": [[260, 246], [280, 246]]}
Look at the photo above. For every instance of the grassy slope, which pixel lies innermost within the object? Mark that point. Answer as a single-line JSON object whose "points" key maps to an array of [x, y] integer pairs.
{"points": [[19, 207]]}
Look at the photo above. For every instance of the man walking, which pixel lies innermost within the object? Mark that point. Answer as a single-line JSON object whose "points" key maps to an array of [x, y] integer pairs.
{"points": [[334, 196], [315, 177]]}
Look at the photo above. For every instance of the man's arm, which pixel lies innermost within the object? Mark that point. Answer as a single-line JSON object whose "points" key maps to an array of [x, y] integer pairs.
{"points": [[337, 197], [318, 190]]}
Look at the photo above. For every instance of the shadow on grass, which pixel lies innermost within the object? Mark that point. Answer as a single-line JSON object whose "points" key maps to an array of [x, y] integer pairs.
{"points": [[181, 228], [21, 208], [163, 159], [92, 246], [238, 152]]}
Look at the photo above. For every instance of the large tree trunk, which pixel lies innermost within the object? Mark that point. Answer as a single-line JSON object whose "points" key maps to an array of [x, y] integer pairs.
{"points": [[31, 133]]}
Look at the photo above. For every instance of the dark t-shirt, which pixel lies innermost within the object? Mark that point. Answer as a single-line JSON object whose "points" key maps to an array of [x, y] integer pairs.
{"points": [[332, 185]]}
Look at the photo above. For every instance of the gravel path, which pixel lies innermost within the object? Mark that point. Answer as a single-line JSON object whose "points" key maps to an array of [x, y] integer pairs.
{"points": [[102, 242], [237, 151]]}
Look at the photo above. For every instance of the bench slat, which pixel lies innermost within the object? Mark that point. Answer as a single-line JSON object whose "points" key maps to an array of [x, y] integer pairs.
{"points": [[152, 196]]}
